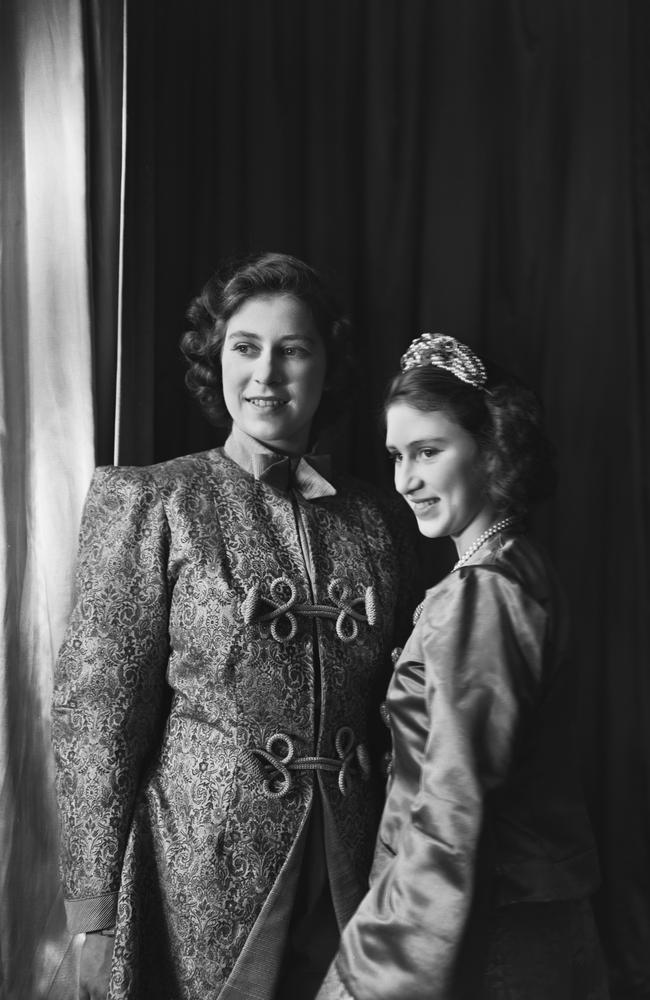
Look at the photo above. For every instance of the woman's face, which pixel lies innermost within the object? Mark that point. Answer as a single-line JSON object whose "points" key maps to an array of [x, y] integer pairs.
{"points": [[273, 367], [438, 472]]}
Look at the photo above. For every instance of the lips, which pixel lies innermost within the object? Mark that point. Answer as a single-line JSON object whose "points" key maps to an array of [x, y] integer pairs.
{"points": [[420, 507], [266, 402]]}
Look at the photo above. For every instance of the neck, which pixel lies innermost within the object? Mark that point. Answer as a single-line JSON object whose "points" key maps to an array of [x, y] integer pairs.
{"points": [[250, 443], [499, 525], [480, 523]]}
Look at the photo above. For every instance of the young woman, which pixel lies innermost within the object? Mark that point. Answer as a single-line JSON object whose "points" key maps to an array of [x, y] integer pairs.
{"points": [[216, 692], [484, 860]]}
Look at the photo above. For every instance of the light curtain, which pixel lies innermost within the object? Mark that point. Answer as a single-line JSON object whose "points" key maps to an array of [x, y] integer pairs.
{"points": [[47, 455]]}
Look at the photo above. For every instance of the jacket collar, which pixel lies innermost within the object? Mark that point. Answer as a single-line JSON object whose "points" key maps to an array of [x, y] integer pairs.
{"points": [[309, 475]]}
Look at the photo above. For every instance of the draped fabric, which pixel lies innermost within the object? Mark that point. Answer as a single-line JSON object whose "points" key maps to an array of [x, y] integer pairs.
{"points": [[482, 803], [479, 169], [46, 435], [104, 41]]}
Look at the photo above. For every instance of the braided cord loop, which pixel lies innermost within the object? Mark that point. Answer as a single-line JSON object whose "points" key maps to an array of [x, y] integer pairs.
{"points": [[276, 761], [282, 608]]}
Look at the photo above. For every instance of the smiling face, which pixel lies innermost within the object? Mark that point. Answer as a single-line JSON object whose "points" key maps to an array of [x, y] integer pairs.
{"points": [[273, 368], [438, 471]]}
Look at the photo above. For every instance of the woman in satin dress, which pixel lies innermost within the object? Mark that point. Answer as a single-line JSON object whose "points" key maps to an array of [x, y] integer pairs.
{"points": [[216, 704], [484, 862]]}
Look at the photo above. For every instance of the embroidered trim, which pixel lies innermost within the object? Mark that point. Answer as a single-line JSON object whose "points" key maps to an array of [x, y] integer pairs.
{"points": [[284, 607], [277, 760]]}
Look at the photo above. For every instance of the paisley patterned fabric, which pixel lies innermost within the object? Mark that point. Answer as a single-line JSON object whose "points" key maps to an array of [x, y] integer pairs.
{"points": [[484, 828], [172, 685]]}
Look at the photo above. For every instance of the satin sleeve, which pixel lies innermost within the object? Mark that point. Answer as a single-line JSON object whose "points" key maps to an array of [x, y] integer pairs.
{"points": [[481, 641], [109, 686]]}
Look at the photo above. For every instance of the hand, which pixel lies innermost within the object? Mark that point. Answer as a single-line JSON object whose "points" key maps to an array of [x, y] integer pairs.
{"points": [[95, 966]]}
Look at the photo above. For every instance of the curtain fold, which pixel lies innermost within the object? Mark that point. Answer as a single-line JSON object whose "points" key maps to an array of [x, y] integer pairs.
{"points": [[46, 426], [103, 30]]}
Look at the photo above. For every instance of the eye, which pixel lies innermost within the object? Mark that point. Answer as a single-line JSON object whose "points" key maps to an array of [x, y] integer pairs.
{"points": [[243, 348], [427, 453], [294, 351], [395, 457]]}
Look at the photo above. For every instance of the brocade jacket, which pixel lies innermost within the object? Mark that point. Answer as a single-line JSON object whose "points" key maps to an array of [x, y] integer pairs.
{"points": [[483, 805], [227, 653]]}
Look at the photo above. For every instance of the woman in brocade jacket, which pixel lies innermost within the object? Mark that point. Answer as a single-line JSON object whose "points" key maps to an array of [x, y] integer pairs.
{"points": [[216, 691], [484, 861]]}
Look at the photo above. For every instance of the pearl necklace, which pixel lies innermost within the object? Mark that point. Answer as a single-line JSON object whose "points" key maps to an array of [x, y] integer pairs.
{"points": [[505, 522]]}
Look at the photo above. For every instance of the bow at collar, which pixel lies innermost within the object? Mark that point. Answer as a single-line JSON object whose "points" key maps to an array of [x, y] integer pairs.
{"points": [[308, 475]]}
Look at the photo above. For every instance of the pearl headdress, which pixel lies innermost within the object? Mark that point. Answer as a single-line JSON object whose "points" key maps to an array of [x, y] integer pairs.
{"points": [[447, 353]]}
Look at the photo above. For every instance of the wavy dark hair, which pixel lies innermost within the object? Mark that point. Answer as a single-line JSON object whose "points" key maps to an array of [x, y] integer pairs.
{"points": [[505, 418], [226, 292]]}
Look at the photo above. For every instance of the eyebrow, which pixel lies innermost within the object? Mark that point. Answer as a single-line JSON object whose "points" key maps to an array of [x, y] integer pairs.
{"points": [[290, 337], [420, 443]]}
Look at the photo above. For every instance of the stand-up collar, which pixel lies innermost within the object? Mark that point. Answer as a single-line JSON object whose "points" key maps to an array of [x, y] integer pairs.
{"points": [[309, 475]]}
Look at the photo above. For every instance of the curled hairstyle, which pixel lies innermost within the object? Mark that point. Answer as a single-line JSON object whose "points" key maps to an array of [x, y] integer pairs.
{"points": [[224, 294], [505, 420]]}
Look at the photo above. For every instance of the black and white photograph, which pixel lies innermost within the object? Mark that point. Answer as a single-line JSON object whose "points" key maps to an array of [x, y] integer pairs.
{"points": [[324, 496]]}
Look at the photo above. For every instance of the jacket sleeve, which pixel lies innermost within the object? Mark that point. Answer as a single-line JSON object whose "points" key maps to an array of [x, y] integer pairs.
{"points": [[109, 686], [482, 647]]}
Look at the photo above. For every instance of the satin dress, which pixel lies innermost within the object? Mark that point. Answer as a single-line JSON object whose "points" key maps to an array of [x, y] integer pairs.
{"points": [[484, 859]]}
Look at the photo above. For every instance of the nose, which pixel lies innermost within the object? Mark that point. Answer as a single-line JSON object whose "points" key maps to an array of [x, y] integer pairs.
{"points": [[407, 479], [266, 369]]}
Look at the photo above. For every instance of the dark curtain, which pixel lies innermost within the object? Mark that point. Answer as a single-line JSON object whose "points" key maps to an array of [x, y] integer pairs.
{"points": [[103, 26], [475, 168]]}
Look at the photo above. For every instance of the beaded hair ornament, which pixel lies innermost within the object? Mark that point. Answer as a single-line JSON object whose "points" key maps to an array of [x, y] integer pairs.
{"points": [[447, 353]]}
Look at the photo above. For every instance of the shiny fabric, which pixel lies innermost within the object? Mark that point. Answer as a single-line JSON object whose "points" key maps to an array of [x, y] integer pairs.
{"points": [[170, 683], [483, 809]]}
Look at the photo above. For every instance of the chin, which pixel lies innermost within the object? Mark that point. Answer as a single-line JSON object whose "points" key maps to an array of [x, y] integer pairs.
{"points": [[430, 530], [268, 428], [279, 438]]}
